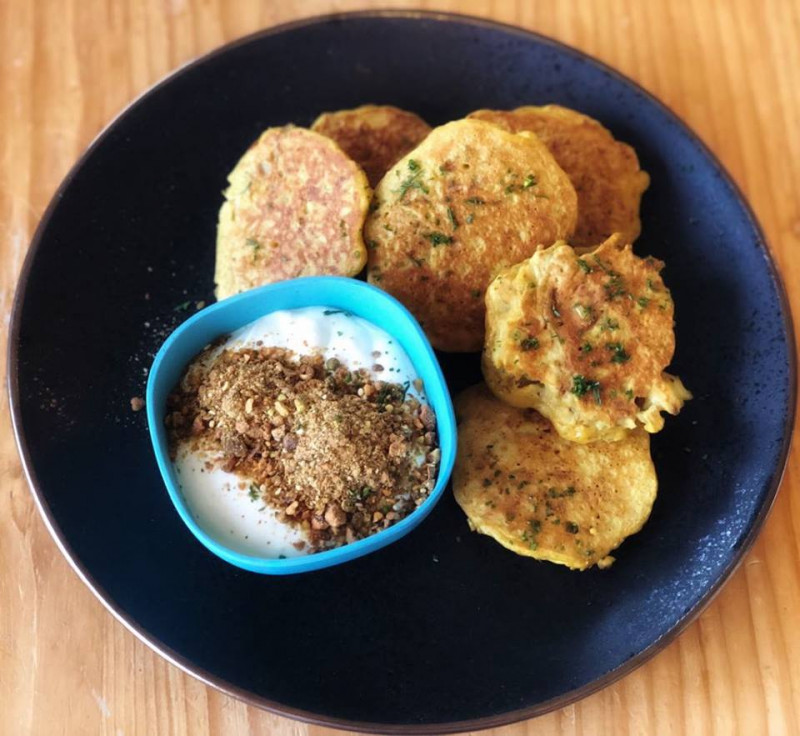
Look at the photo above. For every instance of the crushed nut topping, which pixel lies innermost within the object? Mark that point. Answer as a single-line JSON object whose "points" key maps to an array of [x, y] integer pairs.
{"points": [[335, 451]]}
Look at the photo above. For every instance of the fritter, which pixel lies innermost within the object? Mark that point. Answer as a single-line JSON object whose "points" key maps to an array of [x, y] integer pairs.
{"points": [[374, 136], [584, 340], [470, 200], [542, 496], [604, 171], [295, 206]]}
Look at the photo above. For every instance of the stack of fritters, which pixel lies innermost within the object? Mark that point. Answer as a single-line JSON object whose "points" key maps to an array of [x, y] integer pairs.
{"points": [[509, 231]]}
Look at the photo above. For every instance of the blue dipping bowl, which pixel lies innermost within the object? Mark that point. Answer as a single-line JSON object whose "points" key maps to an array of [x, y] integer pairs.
{"points": [[224, 317]]}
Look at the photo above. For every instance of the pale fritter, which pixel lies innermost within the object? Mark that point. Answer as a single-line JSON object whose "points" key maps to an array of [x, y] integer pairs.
{"points": [[542, 496], [604, 171], [584, 340], [470, 200], [374, 136], [295, 207]]}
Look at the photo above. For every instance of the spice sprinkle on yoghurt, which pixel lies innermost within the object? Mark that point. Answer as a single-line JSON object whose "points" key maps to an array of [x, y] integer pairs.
{"points": [[303, 431]]}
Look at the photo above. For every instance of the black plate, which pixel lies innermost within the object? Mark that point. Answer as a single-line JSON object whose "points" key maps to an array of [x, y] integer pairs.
{"points": [[444, 630]]}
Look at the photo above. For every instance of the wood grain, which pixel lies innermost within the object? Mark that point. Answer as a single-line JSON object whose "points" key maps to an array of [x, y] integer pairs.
{"points": [[730, 69]]}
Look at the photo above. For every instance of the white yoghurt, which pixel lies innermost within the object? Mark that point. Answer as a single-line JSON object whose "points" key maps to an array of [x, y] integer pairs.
{"points": [[220, 502]]}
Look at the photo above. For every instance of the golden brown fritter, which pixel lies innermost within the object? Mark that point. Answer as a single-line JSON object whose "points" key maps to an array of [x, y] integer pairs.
{"points": [[295, 207], [541, 496], [604, 171], [470, 200], [374, 136], [584, 340]]}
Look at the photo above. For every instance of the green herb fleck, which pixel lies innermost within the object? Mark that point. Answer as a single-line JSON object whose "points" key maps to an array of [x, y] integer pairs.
{"points": [[438, 238], [529, 343], [182, 307], [252, 243], [529, 181], [582, 385], [413, 181], [452, 217], [618, 352], [585, 267], [475, 200], [629, 394], [572, 527], [360, 494], [610, 324], [615, 286], [585, 311], [643, 301], [586, 347], [254, 492]]}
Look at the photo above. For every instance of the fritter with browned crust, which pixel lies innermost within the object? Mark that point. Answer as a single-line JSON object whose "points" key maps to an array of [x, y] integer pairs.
{"points": [[295, 206], [584, 340], [541, 496], [470, 200], [374, 136], [604, 171]]}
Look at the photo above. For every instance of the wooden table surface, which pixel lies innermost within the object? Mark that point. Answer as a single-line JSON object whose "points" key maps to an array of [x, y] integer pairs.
{"points": [[730, 69]]}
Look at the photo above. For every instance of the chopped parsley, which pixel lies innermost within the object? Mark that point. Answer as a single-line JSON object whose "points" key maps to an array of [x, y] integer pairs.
{"points": [[452, 217], [438, 238], [643, 301], [254, 492], [582, 385], [360, 494], [618, 354], [586, 347], [529, 343], [529, 181], [585, 267], [413, 181], [629, 393], [555, 493], [610, 324], [615, 285]]}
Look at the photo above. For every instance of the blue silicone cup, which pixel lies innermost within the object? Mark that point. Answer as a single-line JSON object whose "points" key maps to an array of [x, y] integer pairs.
{"points": [[329, 291]]}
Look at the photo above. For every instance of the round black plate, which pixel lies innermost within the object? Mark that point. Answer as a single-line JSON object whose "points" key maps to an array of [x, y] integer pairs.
{"points": [[444, 630]]}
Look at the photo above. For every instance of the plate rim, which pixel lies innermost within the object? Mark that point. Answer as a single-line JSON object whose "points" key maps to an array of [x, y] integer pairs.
{"points": [[492, 721]]}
